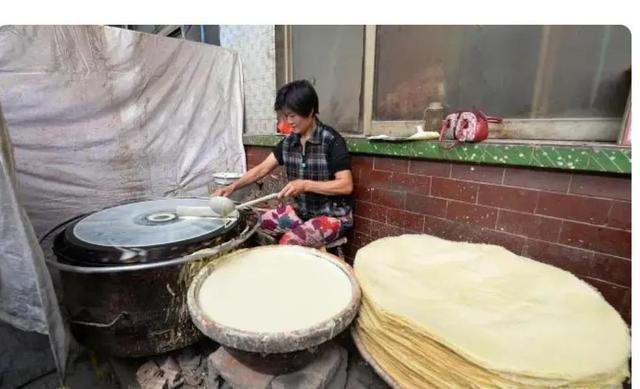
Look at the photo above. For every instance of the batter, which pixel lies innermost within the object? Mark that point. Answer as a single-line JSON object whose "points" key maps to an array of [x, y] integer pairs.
{"points": [[275, 289]]}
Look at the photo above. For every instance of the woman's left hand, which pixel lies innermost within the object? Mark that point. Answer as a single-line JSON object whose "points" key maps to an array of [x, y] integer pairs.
{"points": [[293, 188]]}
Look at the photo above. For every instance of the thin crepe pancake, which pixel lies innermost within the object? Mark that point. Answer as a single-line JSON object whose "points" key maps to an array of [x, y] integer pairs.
{"points": [[460, 314]]}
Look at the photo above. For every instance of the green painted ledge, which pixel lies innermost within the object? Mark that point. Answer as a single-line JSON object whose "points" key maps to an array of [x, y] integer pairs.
{"points": [[583, 157]]}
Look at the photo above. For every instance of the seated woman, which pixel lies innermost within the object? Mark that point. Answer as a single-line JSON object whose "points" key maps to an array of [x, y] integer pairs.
{"points": [[318, 168]]}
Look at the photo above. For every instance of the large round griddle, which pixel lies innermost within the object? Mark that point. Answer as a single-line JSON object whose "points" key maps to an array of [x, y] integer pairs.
{"points": [[273, 342], [125, 273], [138, 232]]}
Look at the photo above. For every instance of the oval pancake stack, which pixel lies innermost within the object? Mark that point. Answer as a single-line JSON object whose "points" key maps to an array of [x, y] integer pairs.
{"points": [[437, 313]]}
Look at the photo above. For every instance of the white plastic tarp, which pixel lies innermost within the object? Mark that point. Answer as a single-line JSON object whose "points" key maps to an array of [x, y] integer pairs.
{"points": [[99, 116], [27, 298]]}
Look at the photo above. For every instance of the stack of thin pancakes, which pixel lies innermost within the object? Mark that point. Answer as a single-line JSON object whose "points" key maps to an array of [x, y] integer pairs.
{"points": [[437, 313]]}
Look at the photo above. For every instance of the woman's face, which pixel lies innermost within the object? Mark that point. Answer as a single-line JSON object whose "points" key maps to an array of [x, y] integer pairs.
{"points": [[298, 123]]}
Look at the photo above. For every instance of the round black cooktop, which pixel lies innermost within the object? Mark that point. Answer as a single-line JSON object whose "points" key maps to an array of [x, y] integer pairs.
{"points": [[145, 231]]}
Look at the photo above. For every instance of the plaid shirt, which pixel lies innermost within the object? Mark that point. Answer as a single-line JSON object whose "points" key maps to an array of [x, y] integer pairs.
{"points": [[325, 154]]}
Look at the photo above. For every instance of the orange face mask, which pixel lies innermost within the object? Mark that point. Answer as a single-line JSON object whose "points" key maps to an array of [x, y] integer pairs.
{"points": [[283, 126]]}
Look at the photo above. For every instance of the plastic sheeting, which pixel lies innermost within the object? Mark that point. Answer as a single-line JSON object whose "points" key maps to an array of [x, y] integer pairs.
{"points": [[27, 299], [99, 116]]}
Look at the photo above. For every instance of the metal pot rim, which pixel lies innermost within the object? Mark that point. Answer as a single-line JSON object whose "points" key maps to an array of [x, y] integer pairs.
{"points": [[248, 231]]}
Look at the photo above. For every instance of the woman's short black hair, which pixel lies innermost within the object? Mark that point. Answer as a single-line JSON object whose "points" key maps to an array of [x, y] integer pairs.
{"points": [[299, 97]]}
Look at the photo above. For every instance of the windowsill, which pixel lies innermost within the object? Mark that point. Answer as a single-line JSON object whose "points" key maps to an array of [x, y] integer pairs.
{"points": [[574, 155]]}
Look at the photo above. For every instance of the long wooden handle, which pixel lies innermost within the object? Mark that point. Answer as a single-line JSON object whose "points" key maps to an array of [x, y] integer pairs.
{"points": [[258, 200]]}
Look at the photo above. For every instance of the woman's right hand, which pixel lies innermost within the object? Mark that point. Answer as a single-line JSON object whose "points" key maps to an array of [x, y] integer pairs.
{"points": [[225, 191]]}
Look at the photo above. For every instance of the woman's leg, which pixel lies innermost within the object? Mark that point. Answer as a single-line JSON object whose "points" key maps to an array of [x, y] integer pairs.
{"points": [[314, 232], [279, 220]]}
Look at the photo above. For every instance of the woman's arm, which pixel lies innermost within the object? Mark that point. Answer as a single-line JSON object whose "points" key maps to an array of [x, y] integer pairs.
{"points": [[341, 185], [254, 174]]}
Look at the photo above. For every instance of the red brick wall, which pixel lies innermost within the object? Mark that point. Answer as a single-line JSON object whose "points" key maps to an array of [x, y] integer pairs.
{"points": [[578, 222]]}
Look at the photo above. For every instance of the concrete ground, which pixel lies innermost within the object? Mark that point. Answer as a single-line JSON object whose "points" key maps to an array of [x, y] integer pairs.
{"points": [[26, 363]]}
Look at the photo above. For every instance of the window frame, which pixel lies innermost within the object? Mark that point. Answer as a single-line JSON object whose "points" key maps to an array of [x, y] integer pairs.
{"points": [[609, 130]]}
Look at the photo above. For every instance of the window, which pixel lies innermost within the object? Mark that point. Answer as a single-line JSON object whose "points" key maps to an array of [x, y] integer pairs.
{"points": [[330, 57], [548, 82]]}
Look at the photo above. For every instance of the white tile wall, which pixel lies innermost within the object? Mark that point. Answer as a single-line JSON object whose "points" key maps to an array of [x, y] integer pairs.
{"points": [[256, 46]]}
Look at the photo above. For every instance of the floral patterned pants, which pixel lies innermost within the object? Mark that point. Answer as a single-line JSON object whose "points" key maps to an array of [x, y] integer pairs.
{"points": [[315, 232]]}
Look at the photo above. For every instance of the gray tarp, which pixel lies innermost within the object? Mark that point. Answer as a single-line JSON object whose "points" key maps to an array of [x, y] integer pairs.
{"points": [[98, 116], [27, 299]]}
